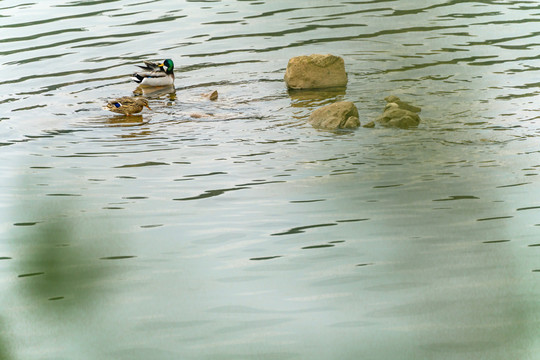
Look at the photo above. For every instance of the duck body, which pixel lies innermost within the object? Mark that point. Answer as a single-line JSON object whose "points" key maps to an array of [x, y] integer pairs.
{"points": [[154, 74], [127, 105]]}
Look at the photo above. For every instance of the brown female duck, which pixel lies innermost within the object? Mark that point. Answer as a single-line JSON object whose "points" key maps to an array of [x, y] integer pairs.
{"points": [[127, 105]]}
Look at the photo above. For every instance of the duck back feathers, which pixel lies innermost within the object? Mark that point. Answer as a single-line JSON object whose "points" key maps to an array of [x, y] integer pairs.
{"points": [[154, 74], [127, 105]]}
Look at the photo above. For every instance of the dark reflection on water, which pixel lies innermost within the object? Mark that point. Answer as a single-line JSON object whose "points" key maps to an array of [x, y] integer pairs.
{"points": [[120, 257], [133, 120], [143, 164], [266, 258], [210, 193], [301, 229], [126, 237], [458, 197]]}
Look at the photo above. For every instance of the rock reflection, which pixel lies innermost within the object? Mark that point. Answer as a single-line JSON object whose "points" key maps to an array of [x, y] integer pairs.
{"points": [[311, 98]]}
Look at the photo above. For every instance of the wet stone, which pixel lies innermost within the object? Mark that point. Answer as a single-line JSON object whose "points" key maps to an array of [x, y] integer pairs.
{"points": [[315, 71], [213, 96], [340, 115], [370, 124], [399, 114]]}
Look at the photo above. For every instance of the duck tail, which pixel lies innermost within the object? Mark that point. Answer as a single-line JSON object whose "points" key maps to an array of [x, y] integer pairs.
{"points": [[137, 78]]}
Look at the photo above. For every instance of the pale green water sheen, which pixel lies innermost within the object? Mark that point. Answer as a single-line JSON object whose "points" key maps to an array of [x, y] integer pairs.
{"points": [[245, 233]]}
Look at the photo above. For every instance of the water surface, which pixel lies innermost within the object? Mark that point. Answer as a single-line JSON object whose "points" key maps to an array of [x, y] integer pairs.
{"points": [[243, 232]]}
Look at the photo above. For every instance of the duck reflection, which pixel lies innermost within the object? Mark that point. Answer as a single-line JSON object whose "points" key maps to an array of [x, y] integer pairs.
{"points": [[131, 120], [156, 92]]}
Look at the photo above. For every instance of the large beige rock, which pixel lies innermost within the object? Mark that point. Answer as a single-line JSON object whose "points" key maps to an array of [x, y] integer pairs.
{"points": [[340, 115], [316, 72]]}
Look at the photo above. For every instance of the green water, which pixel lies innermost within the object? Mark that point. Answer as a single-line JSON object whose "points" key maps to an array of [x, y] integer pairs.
{"points": [[246, 233]]}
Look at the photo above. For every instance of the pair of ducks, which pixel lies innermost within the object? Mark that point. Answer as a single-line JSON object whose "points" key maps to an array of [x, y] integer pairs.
{"points": [[152, 74]]}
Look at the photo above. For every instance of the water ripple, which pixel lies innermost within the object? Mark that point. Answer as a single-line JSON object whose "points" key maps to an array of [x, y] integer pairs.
{"points": [[302, 229], [277, 247]]}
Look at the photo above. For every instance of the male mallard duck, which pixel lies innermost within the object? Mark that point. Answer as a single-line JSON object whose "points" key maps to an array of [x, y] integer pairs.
{"points": [[127, 105], [154, 74]]}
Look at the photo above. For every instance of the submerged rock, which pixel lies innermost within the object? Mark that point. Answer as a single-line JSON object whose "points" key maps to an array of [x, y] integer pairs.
{"points": [[340, 115], [212, 95], [316, 71], [399, 114], [392, 99], [370, 124]]}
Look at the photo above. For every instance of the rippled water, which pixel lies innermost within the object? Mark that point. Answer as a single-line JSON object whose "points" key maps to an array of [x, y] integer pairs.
{"points": [[244, 233]]}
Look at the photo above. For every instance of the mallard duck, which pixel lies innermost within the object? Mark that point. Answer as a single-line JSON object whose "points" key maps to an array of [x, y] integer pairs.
{"points": [[154, 74], [127, 105]]}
